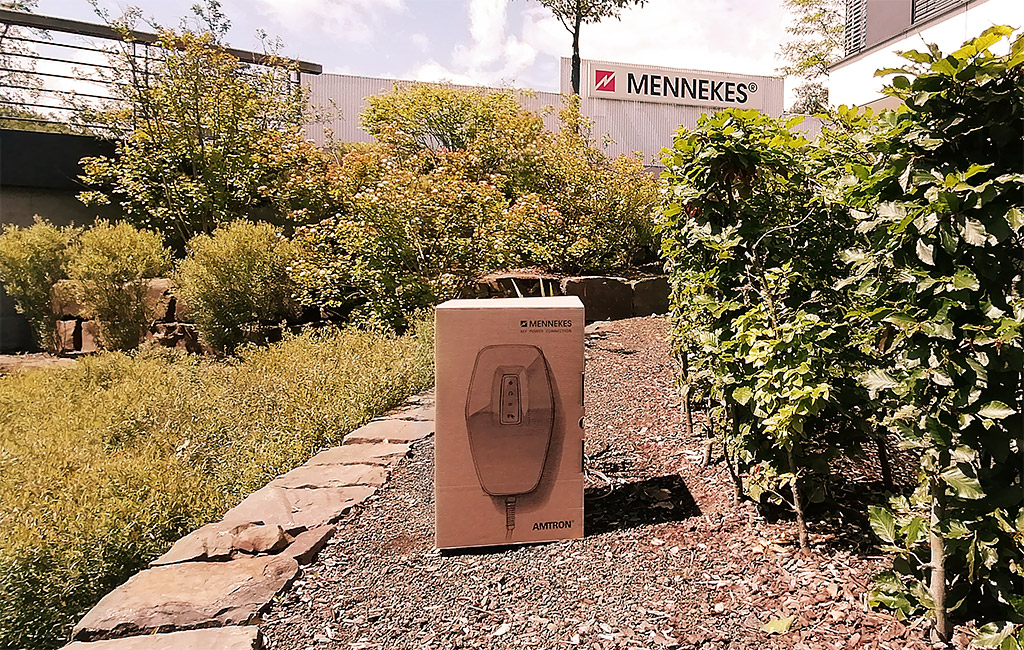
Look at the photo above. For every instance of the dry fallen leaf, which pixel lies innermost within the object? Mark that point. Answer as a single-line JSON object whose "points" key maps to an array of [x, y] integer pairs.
{"points": [[502, 629], [779, 625]]}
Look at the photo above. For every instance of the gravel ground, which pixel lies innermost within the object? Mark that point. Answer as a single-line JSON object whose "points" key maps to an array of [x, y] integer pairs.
{"points": [[668, 561]]}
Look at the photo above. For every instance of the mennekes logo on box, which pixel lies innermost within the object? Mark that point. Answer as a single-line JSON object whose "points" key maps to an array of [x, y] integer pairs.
{"points": [[604, 80]]}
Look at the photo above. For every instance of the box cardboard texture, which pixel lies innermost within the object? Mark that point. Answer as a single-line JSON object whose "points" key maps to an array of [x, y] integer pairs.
{"points": [[509, 421]]}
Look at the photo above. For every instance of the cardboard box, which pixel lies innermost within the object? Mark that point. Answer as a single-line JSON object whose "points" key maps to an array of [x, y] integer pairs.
{"points": [[509, 421]]}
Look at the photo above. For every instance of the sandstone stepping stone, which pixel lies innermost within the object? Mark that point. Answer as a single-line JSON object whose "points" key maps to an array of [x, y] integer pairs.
{"points": [[220, 540], [321, 476], [377, 453], [246, 637], [420, 412], [308, 544], [188, 595], [390, 431], [298, 509]]}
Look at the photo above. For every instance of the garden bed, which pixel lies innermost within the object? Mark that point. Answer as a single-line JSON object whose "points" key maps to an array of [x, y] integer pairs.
{"points": [[668, 559], [109, 461]]}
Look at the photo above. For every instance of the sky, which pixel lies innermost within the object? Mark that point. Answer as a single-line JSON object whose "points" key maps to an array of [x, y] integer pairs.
{"points": [[514, 43]]}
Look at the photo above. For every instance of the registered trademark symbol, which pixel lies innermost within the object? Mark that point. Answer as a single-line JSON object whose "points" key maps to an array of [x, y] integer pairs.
{"points": [[752, 86]]}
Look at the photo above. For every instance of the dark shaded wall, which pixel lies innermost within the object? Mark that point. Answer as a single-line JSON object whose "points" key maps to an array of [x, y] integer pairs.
{"points": [[39, 176]]}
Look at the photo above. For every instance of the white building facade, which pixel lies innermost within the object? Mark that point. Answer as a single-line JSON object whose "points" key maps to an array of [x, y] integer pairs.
{"points": [[635, 109], [877, 29]]}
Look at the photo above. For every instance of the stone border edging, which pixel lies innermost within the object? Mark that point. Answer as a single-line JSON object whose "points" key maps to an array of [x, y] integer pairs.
{"points": [[209, 589]]}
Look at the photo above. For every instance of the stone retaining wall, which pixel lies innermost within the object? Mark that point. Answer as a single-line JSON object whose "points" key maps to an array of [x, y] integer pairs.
{"points": [[210, 588], [604, 298]]}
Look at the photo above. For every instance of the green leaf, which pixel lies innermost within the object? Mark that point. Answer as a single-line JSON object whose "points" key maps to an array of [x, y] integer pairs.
{"points": [[992, 635], [877, 379], [965, 486], [965, 279], [974, 232], [996, 411], [926, 252], [1015, 217], [891, 210], [883, 523], [901, 320], [779, 625], [913, 532], [743, 394]]}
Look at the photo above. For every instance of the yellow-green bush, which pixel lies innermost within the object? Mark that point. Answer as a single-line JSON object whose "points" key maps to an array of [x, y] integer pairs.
{"points": [[104, 465], [31, 260], [109, 266], [236, 279]]}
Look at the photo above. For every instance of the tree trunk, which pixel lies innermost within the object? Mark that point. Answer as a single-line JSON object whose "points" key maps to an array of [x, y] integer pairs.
{"points": [[734, 472], [798, 504], [576, 55], [883, 460], [937, 588], [684, 363]]}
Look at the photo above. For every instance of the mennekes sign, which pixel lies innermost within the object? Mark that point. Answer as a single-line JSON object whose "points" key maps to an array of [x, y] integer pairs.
{"points": [[688, 87]]}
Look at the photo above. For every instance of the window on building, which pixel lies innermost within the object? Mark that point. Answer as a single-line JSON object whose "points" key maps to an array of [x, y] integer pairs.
{"points": [[925, 9], [856, 25]]}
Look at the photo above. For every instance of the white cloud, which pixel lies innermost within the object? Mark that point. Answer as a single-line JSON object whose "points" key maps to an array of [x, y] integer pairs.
{"points": [[493, 56], [420, 41], [351, 20], [737, 36], [434, 72]]}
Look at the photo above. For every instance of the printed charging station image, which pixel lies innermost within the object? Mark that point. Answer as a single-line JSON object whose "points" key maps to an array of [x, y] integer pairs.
{"points": [[510, 405], [509, 437]]}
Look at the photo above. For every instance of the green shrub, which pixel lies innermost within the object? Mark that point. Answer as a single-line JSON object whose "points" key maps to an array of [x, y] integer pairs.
{"points": [[753, 255], [874, 278], [107, 463], [109, 267], [577, 211], [939, 278], [235, 280], [32, 259], [411, 241], [438, 202]]}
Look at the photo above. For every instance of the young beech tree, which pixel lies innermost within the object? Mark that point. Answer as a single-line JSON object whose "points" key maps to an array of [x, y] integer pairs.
{"points": [[573, 14], [202, 138]]}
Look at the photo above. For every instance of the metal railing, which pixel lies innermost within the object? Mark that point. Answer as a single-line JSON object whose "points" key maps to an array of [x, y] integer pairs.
{"points": [[55, 71]]}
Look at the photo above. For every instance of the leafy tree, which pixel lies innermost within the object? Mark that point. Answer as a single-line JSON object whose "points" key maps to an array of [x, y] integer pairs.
{"points": [[811, 98], [490, 125], [941, 281], [202, 137], [752, 253], [573, 14], [816, 42]]}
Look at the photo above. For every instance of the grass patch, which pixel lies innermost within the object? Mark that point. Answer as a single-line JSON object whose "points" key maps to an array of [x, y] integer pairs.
{"points": [[104, 465]]}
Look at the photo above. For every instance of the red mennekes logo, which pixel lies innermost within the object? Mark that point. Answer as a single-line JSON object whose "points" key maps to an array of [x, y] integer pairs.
{"points": [[604, 80]]}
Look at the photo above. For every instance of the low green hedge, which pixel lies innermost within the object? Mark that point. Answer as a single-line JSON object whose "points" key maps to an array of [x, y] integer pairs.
{"points": [[104, 465]]}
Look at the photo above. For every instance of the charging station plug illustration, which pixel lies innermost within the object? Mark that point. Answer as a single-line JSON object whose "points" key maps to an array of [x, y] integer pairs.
{"points": [[510, 417]]}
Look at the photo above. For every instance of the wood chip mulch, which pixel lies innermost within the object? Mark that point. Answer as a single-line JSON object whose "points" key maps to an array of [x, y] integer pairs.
{"points": [[668, 561]]}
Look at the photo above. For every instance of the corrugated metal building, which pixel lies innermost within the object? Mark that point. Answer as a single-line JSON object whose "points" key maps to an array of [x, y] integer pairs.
{"points": [[634, 108]]}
